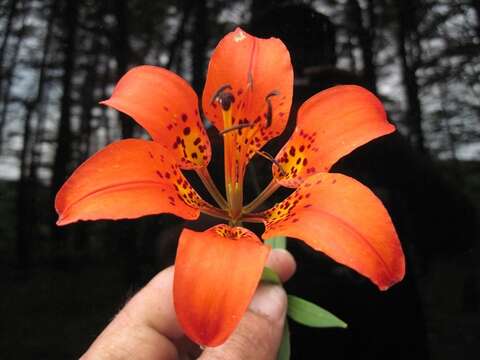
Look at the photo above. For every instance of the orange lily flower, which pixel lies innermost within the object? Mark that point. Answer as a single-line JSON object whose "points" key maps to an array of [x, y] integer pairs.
{"points": [[247, 97]]}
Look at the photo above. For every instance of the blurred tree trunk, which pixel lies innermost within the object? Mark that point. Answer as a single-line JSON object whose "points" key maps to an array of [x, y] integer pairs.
{"points": [[122, 56], [364, 25], [476, 7], [7, 76], [408, 51], [26, 185], [12, 10], [173, 48], [63, 153], [200, 41]]}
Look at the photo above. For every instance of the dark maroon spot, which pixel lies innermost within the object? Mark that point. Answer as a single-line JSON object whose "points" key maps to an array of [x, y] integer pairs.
{"points": [[302, 148], [292, 151], [170, 127], [150, 154], [165, 108], [299, 160], [186, 131], [240, 92], [295, 220], [197, 141], [159, 174], [167, 175], [184, 117], [196, 112], [194, 155], [305, 161]]}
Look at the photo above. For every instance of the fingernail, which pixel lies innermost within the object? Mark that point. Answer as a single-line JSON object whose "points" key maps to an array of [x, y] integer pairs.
{"points": [[269, 301]]}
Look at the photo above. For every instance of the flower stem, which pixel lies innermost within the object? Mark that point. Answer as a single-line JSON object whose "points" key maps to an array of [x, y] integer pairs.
{"points": [[264, 195], [204, 175]]}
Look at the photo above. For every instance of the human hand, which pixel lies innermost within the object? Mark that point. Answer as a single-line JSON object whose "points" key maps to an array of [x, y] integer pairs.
{"points": [[147, 328]]}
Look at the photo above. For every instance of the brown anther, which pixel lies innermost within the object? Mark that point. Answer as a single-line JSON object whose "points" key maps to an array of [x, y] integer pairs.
{"points": [[272, 159], [269, 113], [223, 97], [234, 127]]}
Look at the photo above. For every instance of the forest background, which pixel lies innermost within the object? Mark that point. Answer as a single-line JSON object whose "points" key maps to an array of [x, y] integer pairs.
{"points": [[59, 58]]}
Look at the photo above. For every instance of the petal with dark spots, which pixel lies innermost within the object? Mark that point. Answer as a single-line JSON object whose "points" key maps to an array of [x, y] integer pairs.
{"points": [[167, 107], [330, 125], [127, 179], [339, 216]]}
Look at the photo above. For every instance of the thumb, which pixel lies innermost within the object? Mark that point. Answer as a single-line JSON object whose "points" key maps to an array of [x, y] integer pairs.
{"points": [[259, 333]]}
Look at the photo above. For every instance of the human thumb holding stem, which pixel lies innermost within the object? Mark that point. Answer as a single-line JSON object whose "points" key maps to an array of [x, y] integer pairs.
{"points": [[147, 327]]}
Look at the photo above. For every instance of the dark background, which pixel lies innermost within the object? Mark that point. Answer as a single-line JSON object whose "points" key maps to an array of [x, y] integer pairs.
{"points": [[59, 58]]}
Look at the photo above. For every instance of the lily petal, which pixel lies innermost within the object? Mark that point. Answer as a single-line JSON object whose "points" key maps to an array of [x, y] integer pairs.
{"points": [[167, 107], [330, 125], [259, 76], [216, 274], [125, 180], [339, 216]]}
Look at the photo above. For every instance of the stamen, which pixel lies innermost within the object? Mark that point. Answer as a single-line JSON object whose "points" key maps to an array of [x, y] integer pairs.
{"points": [[269, 114], [223, 97], [234, 127], [272, 159]]}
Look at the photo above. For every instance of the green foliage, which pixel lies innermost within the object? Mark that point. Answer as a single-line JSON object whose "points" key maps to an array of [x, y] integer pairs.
{"points": [[309, 314]]}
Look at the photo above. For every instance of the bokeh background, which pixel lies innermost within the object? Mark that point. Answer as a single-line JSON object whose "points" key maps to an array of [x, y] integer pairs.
{"points": [[59, 58]]}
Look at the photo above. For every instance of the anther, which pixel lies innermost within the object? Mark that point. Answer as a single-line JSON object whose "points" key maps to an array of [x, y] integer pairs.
{"points": [[272, 159], [223, 97], [269, 113]]}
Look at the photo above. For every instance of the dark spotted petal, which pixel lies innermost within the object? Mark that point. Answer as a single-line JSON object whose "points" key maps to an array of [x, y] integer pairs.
{"points": [[127, 179], [167, 107], [330, 125], [339, 216]]}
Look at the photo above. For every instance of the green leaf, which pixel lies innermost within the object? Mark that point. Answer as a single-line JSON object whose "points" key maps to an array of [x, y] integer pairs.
{"points": [[309, 314], [284, 350], [277, 242], [270, 276]]}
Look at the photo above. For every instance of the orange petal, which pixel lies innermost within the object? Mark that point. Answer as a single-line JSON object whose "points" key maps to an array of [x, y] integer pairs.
{"points": [[127, 179], [216, 274], [330, 125], [167, 107], [339, 216], [253, 68]]}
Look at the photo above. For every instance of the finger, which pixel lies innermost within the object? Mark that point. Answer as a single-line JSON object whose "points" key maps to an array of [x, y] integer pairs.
{"points": [[259, 333], [144, 328], [282, 262]]}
